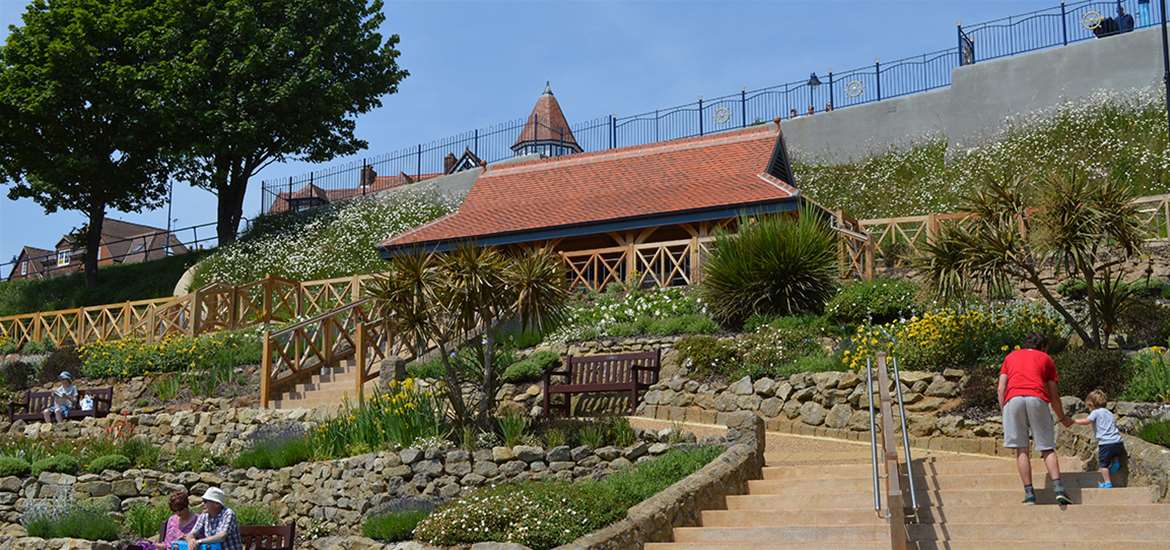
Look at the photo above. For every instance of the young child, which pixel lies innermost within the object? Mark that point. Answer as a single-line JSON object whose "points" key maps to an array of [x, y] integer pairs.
{"points": [[1110, 449]]}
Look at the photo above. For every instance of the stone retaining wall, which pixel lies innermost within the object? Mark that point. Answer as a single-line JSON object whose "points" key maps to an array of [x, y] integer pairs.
{"points": [[336, 495], [1148, 464]]}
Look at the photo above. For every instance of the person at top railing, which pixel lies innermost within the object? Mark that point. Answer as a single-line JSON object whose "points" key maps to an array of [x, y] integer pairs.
{"points": [[1026, 391]]}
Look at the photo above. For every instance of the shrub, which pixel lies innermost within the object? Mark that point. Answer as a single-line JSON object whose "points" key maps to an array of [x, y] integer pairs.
{"points": [[1156, 432], [393, 527], [1084, 370], [13, 466], [772, 351], [1149, 372], [17, 375], [512, 428], [1145, 323], [877, 301], [61, 519], [193, 459], [545, 514], [777, 265], [143, 520], [982, 385], [614, 313], [274, 454], [707, 356], [530, 368], [402, 415], [61, 464], [592, 436], [108, 462], [251, 514], [60, 360], [818, 361], [952, 337], [140, 452], [336, 240], [175, 353]]}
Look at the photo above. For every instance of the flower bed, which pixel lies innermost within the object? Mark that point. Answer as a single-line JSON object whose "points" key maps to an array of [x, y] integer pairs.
{"points": [[174, 353], [618, 313]]}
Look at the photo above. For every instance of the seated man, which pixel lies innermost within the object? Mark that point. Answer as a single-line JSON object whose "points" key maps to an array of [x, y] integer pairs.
{"points": [[64, 399]]}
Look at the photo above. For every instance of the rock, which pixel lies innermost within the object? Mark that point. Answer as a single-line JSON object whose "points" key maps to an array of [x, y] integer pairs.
{"points": [[691, 386], [528, 453], [941, 387], [950, 425], [636, 450], [812, 413], [743, 386], [921, 425], [510, 469], [124, 488], [804, 394], [429, 467], [912, 377], [560, 454], [838, 416], [676, 383], [1128, 408], [782, 391], [848, 380], [620, 463], [748, 402], [410, 455], [771, 407], [485, 468], [725, 402], [859, 421], [498, 546], [988, 429], [953, 374], [927, 404], [792, 409], [658, 448], [652, 397], [533, 390], [764, 387], [1072, 404], [499, 454], [826, 380], [608, 453], [457, 468]]}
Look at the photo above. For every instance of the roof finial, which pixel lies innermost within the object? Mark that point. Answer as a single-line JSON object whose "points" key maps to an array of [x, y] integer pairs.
{"points": [[547, 88]]}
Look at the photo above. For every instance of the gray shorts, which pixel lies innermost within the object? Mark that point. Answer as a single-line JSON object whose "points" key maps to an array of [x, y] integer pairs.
{"points": [[1028, 415]]}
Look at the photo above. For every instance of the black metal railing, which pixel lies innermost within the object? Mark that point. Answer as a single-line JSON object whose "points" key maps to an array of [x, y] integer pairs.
{"points": [[155, 246], [1057, 26]]}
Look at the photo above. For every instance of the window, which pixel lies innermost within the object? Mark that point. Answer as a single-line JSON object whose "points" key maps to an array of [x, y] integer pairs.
{"points": [[63, 257], [24, 268]]}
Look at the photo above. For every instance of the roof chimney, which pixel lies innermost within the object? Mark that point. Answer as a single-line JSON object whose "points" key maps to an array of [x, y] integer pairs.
{"points": [[449, 162]]}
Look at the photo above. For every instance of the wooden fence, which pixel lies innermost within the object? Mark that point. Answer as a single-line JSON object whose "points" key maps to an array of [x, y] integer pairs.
{"points": [[897, 239]]}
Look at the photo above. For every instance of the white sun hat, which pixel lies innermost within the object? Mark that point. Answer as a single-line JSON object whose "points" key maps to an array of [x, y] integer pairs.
{"points": [[215, 494]]}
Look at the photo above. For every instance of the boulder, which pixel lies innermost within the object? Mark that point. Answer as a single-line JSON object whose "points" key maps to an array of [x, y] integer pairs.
{"points": [[950, 425], [743, 386], [1072, 404], [764, 387], [838, 416], [812, 413], [528, 453], [941, 387], [771, 407]]}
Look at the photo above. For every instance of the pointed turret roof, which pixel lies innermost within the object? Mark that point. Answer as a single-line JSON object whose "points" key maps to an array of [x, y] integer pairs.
{"points": [[546, 124]]}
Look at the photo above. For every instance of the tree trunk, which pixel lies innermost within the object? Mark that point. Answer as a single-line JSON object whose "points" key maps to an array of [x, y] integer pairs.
{"points": [[231, 185], [489, 379], [93, 243], [454, 391]]}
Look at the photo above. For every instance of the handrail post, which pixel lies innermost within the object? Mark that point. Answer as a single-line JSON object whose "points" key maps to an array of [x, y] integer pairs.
{"points": [[877, 497], [905, 436], [877, 75], [359, 357], [1063, 24], [266, 369]]}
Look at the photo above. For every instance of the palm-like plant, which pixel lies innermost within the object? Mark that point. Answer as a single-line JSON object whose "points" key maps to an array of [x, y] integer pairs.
{"points": [[464, 298], [1083, 227], [773, 265]]}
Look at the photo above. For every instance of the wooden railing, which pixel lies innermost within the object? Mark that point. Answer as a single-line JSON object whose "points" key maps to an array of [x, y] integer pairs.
{"points": [[351, 332], [896, 239]]}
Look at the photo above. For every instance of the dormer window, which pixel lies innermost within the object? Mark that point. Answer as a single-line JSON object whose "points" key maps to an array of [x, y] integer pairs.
{"points": [[63, 257]]}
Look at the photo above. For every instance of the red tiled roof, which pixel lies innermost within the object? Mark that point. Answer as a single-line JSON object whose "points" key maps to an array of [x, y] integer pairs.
{"points": [[546, 122], [722, 170], [381, 183]]}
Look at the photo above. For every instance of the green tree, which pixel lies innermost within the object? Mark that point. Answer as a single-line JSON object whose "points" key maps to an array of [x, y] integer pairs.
{"points": [[261, 81], [1069, 223], [80, 114], [464, 298]]}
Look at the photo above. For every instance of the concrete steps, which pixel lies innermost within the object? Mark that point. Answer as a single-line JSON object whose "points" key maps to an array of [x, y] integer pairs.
{"points": [[327, 389], [965, 503]]}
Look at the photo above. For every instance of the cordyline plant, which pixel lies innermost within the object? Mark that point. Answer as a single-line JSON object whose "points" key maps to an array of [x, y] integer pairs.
{"points": [[1082, 227], [464, 299]]}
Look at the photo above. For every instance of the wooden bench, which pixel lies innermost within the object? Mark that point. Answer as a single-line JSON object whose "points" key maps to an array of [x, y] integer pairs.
{"points": [[35, 402], [260, 537], [632, 373]]}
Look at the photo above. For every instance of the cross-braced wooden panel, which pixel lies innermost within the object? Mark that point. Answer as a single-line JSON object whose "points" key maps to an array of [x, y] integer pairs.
{"points": [[663, 264], [595, 269]]}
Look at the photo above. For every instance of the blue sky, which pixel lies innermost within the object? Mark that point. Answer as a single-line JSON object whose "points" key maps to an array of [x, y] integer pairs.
{"points": [[475, 63]]}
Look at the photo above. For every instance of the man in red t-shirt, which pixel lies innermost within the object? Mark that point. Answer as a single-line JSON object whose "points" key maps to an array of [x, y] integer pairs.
{"points": [[1027, 390]]}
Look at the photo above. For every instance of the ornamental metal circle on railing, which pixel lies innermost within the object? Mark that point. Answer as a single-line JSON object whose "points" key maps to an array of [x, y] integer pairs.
{"points": [[1091, 19]]}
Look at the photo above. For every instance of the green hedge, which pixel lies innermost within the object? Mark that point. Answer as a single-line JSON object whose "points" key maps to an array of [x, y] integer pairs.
{"points": [[117, 283]]}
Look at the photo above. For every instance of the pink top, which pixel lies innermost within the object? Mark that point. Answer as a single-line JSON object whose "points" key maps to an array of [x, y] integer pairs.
{"points": [[175, 531]]}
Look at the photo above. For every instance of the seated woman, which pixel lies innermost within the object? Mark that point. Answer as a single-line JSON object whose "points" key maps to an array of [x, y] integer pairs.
{"points": [[217, 524], [180, 523]]}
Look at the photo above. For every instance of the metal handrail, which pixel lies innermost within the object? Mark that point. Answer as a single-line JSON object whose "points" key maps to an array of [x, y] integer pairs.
{"points": [[895, 499], [905, 436], [877, 497]]}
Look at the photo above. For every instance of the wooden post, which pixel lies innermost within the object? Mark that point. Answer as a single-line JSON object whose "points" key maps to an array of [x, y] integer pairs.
{"points": [[36, 332], [695, 271], [126, 312], [356, 289], [931, 228], [193, 324], [266, 370], [867, 273], [631, 262], [359, 357], [266, 315]]}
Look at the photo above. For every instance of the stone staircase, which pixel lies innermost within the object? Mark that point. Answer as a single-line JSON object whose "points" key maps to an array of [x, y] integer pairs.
{"points": [[327, 389], [967, 502]]}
